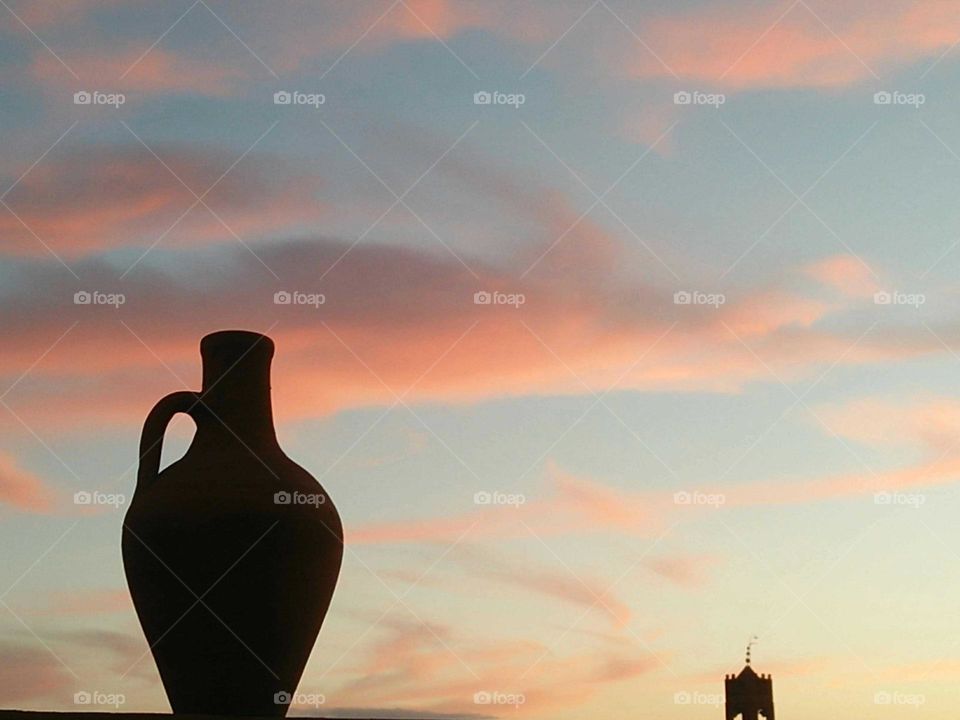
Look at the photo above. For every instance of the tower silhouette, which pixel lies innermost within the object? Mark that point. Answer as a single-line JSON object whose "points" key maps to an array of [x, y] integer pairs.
{"points": [[749, 695]]}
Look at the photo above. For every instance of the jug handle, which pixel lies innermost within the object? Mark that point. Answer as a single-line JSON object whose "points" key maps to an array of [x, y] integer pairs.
{"points": [[151, 438]]}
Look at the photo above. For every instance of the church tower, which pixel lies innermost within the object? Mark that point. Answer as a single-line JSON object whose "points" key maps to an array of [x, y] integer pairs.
{"points": [[749, 695]]}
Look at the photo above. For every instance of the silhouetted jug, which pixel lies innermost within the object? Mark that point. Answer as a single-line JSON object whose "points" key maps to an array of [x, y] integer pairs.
{"points": [[231, 553]]}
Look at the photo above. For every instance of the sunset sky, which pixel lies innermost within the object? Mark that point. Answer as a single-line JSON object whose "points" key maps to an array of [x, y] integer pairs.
{"points": [[777, 457]]}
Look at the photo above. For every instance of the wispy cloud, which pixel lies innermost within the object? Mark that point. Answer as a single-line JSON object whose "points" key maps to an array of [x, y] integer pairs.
{"points": [[159, 71], [845, 274], [22, 490], [426, 668], [798, 45], [690, 572], [97, 198], [31, 673]]}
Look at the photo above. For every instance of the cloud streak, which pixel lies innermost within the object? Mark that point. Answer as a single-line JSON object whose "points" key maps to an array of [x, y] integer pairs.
{"points": [[820, 47], [100, 198], [414, 666], [21, 490]]}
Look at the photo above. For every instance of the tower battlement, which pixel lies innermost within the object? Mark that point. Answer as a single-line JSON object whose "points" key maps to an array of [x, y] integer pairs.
{"points": [[748, 694]]}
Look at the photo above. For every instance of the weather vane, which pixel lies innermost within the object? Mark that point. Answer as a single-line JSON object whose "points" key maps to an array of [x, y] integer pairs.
{"points": [[750, 644]]}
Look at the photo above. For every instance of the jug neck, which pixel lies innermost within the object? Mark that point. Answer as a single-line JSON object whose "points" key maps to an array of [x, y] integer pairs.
{"points": [[235, 397]]}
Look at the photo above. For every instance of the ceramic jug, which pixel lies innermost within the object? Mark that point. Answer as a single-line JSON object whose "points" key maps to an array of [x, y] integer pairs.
{"points": [[232, 552]]}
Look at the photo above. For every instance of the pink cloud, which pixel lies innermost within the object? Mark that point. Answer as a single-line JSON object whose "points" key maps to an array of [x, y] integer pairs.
{"points": [[107, 197], [392, 312], [31, 674], [650, 124], [764, 313], [845, 274], [704, 44], [159, 71], [40, 14], [578, 506], [685, 571], [580, 589], [931, 424], [318, 44], [846, 485], [44, 14], [836, 47], [80, 603], [441, 18], [399, 311], [414, 667], [942, 669], [572, 504], [21, 489], [574, 591]]}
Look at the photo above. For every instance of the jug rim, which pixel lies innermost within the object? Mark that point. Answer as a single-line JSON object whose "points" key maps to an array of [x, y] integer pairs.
{"points": [[236, 340]]}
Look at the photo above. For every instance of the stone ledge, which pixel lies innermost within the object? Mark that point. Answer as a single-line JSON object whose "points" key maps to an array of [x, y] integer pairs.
{"points": [[56, 715]]}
